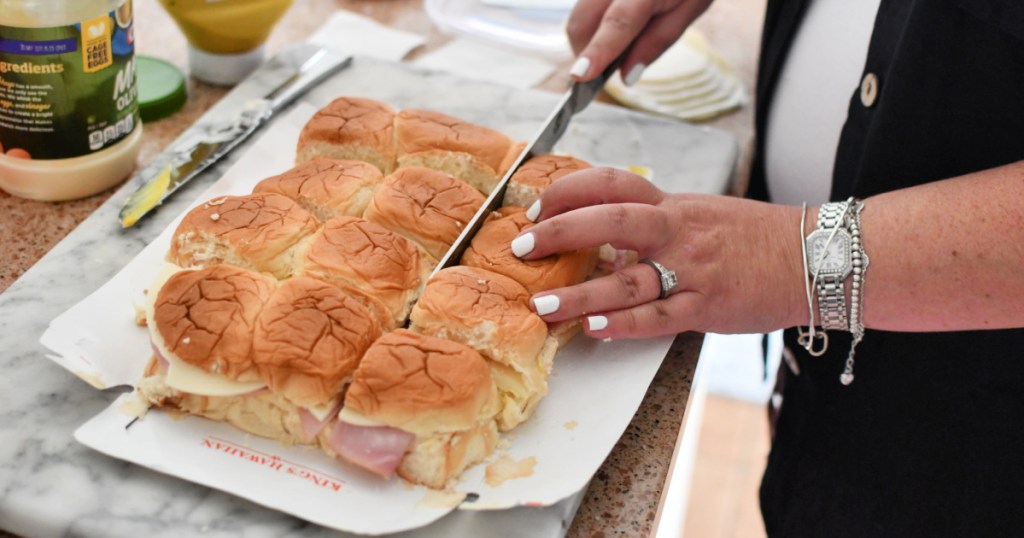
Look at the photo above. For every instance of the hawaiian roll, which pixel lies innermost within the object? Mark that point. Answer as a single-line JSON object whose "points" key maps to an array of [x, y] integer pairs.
{"points": [[256, 231], [327, 188], [537, 174], [425, 205], [440, 392], [490, 313], [309, 339], [491, 249], [352, 128], [421, 384], [206, 319], [473, 153], [369, 257]]}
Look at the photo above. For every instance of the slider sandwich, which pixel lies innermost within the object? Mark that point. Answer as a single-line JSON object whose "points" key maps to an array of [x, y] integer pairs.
{"points": [[490, 313], [260, 232], [491, 249], [426, 206], [418, 406], [230, 345], [534, 176], [327, 188], [478, 155], [354, 252], [308, 341], [351, 128]]}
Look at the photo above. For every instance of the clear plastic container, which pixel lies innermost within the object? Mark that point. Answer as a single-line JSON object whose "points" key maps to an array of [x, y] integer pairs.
{"points": [[69, 124], [536, 26]]}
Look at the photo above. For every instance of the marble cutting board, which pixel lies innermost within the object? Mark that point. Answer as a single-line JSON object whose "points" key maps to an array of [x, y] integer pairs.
{"points": [[43, 469]]}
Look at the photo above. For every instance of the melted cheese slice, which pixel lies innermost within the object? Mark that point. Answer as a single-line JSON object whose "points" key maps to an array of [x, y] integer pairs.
{"points": [[182, 376], [356, 418], [321, 412]]}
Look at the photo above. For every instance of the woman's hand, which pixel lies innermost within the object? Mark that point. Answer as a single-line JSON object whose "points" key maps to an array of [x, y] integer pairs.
{"points": [[738, 262], [600, 30]]}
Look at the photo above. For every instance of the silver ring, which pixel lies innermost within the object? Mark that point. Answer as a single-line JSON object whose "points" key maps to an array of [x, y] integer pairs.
{"points": [[666, 278]]}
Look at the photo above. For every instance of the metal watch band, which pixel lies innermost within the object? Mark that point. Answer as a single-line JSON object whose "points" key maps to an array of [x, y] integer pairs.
{"points": [[831, 215], [832, 303], [830, 288]]}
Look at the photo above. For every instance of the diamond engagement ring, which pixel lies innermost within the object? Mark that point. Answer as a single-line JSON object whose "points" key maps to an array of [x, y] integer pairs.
{"points": [[666, 278]]}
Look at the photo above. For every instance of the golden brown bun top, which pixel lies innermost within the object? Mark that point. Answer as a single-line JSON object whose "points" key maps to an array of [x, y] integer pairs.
{"points": [[542, 170], [366, 250], [206, 317], [259, 224], [309, 339], [491, 249], [488, 311], [427, 202], [421, 384], [323, 182], [352, 120], [472, 294], [423, 130]]}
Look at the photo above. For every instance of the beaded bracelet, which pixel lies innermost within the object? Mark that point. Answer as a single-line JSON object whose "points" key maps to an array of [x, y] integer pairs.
{"points": [[859, 260]]}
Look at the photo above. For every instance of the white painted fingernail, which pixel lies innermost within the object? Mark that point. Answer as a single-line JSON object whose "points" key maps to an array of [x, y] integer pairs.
{"points": [[546, 305], [581, 67], [523, 245], [597, 323], [533, 212], [634, 74]]}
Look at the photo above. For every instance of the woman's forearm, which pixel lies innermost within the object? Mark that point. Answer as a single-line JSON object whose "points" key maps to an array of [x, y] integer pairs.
{"points": [[947, 255]]}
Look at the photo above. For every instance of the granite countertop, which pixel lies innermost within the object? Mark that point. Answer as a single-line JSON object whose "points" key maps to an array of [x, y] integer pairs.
{"points": [[623, 498]]}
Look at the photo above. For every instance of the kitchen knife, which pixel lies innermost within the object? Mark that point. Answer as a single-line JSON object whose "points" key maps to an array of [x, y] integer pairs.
{"points": [[300, 67], [580, 95]]}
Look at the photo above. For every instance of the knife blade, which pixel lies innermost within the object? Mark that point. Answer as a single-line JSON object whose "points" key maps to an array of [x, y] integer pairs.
{"points": [[303, 66], [579, 95]]}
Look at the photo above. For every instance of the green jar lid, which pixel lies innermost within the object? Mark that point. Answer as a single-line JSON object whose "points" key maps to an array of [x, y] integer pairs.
{"points": [[161, 85]]}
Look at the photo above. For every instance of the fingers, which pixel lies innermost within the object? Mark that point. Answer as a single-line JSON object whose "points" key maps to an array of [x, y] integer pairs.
{"points": [[673, 315], [583, 22], [661, 33], [629, 287], [638, 227], [620, 23], [594, 186]]}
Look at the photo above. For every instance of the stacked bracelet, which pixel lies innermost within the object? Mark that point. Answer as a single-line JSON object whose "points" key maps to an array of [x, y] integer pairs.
{"points": [[831, 253]]}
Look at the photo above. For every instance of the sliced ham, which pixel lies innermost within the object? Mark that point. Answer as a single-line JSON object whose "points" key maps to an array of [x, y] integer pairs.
{"points": [[311, 425], [164, 365], [378, 449]]}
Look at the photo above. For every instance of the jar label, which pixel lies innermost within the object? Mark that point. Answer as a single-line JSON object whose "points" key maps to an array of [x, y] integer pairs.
{"points": [[68, 91]]}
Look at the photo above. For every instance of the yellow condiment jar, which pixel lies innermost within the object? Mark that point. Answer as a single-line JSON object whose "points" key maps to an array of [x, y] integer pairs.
{"points": [[225, 37], [69, 123]]}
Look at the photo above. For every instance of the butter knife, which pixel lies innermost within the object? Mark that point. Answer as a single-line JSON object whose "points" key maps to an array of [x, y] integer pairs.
{"points": [[298, 68], [579, 95]]}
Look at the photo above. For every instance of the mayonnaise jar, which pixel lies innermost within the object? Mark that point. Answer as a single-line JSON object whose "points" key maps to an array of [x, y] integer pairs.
{"points": [[69, 122]]}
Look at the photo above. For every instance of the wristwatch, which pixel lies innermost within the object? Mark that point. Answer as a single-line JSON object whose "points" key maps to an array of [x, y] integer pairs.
{"points": [[829, 256]]}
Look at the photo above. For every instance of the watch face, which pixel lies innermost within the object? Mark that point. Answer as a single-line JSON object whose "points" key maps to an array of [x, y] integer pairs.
{"points": [[829, 257]]}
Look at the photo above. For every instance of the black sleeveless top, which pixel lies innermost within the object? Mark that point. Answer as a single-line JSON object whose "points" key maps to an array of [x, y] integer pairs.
{"points": [[929, 439]]}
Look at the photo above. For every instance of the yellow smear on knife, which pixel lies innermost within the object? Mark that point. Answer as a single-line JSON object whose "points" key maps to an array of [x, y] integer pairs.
{"points": [[146, 198]]}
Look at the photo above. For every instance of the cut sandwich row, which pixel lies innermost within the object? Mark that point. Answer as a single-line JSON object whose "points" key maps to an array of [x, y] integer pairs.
{"points": [[366, 130], [302, 362]]}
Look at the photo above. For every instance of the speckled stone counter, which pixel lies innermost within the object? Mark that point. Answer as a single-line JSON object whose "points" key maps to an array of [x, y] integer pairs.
{"points": [[623, 497]]}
